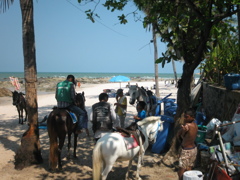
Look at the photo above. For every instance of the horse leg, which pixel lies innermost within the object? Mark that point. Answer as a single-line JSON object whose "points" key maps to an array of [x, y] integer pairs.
{"points": [[19, 116], [139, 166], [129, 167], [106, 170], [75, 145], [25, 114], [100, 162], [87, 132], [60, 146], [53, 152], [108, 163], [69, 145]]}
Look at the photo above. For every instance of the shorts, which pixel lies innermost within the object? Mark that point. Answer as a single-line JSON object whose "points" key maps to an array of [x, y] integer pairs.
{"points": [[187, 158]]}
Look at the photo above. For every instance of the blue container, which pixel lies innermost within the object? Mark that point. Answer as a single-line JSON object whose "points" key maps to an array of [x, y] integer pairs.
{"points": [[232, 81], [160, 145], [200, 118]]}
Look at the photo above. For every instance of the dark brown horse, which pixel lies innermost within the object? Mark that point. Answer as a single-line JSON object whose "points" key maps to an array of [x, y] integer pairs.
{"points": [[20, 103], [60, 124]]}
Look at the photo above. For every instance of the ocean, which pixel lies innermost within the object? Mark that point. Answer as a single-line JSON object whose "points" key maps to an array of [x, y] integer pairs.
{"points": [[6, 75]]}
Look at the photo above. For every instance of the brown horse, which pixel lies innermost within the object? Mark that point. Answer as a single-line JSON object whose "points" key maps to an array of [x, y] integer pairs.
{"points": [[60, 124], [20, 103]]}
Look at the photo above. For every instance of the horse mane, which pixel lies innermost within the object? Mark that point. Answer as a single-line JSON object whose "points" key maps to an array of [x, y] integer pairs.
{"points": [[143, 91], [132, 127], [133, 87], [148, 119]]}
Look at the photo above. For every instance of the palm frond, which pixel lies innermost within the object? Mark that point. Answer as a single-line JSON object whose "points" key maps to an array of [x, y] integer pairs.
{"points": [[4, 5]]}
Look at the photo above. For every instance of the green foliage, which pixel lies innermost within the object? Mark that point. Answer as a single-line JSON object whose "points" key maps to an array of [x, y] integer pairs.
{"points": [[225, 56], [4, 5], [113, 5], [90, 14], [190, 29], [122, 19]]}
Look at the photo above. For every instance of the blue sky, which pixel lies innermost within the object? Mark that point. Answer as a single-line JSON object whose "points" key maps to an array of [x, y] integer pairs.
{"points": [[68, 42]]}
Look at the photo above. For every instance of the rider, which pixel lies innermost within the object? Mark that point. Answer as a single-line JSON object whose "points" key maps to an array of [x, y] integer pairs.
{"points": [[103, 117], [65, 96], [141, 111]]}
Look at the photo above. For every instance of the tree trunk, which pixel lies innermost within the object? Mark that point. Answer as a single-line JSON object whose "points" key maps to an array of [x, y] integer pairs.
{"points": [[175, 72], [238, 17], [183, 103], [29, 151], [155, 64]]}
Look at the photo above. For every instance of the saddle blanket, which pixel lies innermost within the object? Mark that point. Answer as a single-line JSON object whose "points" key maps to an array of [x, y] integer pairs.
{"points": [[73, 116], [130, 142]]}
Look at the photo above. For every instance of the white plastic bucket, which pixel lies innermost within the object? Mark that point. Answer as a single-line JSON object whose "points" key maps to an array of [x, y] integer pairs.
{"points": [[193, 175]]}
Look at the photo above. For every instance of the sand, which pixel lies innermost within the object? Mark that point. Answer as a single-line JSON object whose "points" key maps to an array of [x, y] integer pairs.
{"points": [[81, 168]]}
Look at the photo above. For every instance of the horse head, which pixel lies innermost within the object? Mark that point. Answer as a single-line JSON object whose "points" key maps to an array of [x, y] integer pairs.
{"points": [[133, 93], [80, 100], [150, 125]]}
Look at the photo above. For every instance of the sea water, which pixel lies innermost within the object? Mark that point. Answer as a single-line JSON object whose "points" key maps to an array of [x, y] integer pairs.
{"points": [[6, 75]]}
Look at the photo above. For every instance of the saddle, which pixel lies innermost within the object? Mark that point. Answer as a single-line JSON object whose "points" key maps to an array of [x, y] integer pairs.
{"points": [[72, 114], [132, 131]]}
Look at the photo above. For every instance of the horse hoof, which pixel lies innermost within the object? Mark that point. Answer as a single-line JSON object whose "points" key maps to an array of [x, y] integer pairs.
{"points": [[52, 170]]}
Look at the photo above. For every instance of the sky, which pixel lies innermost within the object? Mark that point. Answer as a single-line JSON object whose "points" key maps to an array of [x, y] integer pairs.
{"points": [[66, 41]]}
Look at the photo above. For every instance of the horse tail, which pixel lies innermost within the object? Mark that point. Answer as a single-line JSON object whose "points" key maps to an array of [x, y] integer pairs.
{"points": [[97, 162], [52, 133]]}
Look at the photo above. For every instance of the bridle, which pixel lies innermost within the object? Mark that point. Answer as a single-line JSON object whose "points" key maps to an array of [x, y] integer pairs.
{"points": [[134, 96]]}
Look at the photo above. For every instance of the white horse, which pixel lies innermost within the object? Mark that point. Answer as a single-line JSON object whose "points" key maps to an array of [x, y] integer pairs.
{"points": [[111, 148], [139, 94]]}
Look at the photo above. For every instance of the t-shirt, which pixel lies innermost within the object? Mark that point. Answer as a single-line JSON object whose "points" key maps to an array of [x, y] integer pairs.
{"points": [[142, 115], [123, 101]]}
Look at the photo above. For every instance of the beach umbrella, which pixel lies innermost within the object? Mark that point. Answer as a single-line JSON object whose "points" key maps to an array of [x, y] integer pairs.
{"points": [[119, 79]]}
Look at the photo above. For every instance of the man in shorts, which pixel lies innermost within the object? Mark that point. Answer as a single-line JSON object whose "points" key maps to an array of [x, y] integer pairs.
{"points": [[188, 150]]}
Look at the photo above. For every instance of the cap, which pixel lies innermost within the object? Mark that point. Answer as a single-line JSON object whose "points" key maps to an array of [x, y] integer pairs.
{"points": [[119, 91]]}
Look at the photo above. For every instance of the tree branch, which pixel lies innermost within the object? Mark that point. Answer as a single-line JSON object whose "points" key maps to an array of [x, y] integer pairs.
{"points": [[195, 9], [220, 17]]}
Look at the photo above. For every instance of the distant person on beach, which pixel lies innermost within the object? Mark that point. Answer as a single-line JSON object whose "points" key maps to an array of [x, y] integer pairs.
{"points": [[141, 112], [121, 107], [187, 135], [103, 117], [79, 84], [65, 96]]}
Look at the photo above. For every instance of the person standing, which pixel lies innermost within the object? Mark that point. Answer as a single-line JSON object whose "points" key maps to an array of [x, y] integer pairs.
{"points": [[188, 150], [65, 96], [103, 117], [121, 107]]}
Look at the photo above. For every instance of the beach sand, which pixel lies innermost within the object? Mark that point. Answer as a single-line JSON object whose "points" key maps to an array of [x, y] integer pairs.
{"points": [[81, 168]]}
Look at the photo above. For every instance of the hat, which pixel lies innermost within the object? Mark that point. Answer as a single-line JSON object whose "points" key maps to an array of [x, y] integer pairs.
{"points": [[119, 91]]}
